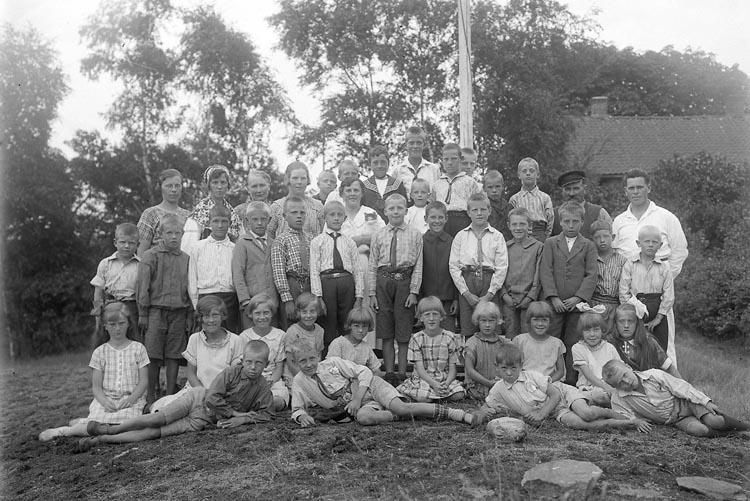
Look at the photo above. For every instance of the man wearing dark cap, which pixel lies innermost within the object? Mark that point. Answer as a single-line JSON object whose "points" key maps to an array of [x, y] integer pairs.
{"points": [[573, 184]]}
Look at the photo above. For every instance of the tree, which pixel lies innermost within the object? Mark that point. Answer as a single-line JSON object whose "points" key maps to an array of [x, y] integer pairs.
{"points": [[667, 82], [125, 39], [42, 251], [379, 67]]}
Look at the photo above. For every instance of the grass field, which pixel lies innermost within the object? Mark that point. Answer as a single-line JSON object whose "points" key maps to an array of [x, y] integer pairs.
{"points": [[404, 460]]}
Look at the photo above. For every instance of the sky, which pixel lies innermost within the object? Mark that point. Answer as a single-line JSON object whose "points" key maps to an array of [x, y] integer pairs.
{"points": [[719, 27]]}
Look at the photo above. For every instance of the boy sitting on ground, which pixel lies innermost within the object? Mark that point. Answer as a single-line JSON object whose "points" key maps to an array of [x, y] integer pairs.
{"points": [[338, 386], [239, 395], [534, 397]]}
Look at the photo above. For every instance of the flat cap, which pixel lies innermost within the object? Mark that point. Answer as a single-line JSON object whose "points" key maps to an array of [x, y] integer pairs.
{"points": [[570, 176]]}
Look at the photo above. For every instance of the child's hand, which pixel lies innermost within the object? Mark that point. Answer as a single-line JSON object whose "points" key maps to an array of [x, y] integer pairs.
{"points": [[454, 307], [353, 408], [713, 408], [322, 307], [143, 323], [411, 301], [656, 321], [110, 406], [642, 426], [525, 302], [508, 300], [477, 418], [472, 299], [374, 303], [291, 313], [358, 303], [557, 304], [536, 417], [487, 297], [306, 421], [571, 303], [125, 403]]}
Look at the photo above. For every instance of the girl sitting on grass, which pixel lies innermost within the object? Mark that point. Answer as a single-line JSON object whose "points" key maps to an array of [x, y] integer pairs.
{"points": [[434, 353], [636, 347], [119, 376], [589, 356], [352, 347]]}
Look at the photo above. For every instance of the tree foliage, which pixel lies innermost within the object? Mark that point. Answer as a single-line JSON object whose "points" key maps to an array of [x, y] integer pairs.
{"points": [[379, 67], [42, 249]]}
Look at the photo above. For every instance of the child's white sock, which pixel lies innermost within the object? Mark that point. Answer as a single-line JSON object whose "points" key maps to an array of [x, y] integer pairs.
{"points": [[48, 435]]}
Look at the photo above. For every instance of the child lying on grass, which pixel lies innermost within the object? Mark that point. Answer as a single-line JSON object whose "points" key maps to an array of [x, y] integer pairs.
{"points": [[664, 399], [238, 395], [534, 397]]}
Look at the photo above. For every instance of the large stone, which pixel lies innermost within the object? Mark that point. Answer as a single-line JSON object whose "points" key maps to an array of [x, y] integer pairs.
{"points": [[564, 477], [715, 489]]}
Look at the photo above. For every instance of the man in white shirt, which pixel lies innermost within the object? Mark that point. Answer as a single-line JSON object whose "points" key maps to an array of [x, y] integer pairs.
{"points": [[643, 212]]}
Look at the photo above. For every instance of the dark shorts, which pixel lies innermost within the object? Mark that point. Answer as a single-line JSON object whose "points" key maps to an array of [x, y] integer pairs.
{"points": [[166, 336], [394, 320]]}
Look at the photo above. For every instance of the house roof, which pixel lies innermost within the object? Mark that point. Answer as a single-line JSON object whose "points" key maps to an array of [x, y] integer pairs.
{"points": [[607, 145]]}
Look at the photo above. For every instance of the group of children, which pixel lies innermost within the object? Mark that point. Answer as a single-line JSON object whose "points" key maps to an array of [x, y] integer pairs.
{"points": [[544, 325]]}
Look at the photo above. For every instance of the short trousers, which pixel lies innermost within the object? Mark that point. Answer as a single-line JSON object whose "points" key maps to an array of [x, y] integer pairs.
{"points": [[187, 413], [279, 390], [686, 409], [394, 320], [166, 336], [569, 395], [380, 395]]}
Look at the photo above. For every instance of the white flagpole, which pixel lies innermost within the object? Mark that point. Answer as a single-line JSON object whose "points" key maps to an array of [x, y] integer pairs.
{"points": [[466, 126]]}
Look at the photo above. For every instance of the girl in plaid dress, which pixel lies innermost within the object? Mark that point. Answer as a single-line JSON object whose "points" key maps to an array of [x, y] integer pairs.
{"points": [[434, 353], [119, 376]]}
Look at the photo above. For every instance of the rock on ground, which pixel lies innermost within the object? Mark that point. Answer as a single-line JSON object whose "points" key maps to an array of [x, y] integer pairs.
{"points": [[574, 479], [713, 488]]}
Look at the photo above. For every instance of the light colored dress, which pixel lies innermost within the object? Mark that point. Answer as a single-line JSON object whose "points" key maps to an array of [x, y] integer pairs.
{"points": [[121, 376], [436, 354], [360, 354], [366, 222]]}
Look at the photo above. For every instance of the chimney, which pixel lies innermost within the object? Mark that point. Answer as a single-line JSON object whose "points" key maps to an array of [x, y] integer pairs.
{"points": [[734, 104], [599, 106]]}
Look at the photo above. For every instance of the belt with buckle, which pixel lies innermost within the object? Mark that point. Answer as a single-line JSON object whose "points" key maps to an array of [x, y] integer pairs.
{"points": [[478, 270], [397, 274], [334, 274], [298, 277]]}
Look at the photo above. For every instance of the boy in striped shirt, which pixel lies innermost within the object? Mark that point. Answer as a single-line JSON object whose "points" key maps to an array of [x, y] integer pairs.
{"points": [[537, 202], [609, 265]]}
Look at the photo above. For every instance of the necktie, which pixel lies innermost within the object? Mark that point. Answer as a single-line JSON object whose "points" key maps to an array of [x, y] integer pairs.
{"points": [[450, 191], [394, 245], [304, 250], [261, 243], [480, 254], [338, 263]]}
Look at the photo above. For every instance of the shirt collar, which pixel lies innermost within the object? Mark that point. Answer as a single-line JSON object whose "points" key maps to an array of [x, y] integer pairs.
{"points": [[114, 257], [212, 240], [525, 243], [651, 207], [431, 237], [163, 249], [218, 344], [532, 191], [449, 179], [402, 227]]}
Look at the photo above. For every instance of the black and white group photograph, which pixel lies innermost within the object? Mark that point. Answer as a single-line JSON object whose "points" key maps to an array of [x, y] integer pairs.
{"points": [[375, 249]]}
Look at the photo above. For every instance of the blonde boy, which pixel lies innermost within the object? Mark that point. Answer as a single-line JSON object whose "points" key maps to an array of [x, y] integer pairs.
{"points": [[336, 387], [336, 277], [326, 185], [347, 170], [394, 278], [117, 274], [662, 398], [478, 261], [251, 260], [414, 165], [534, 397], [530, 197], [420, 197], [648, 280]]}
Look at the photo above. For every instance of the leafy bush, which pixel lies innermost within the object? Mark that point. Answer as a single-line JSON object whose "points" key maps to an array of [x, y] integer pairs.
{"points": [[712, 199]]}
